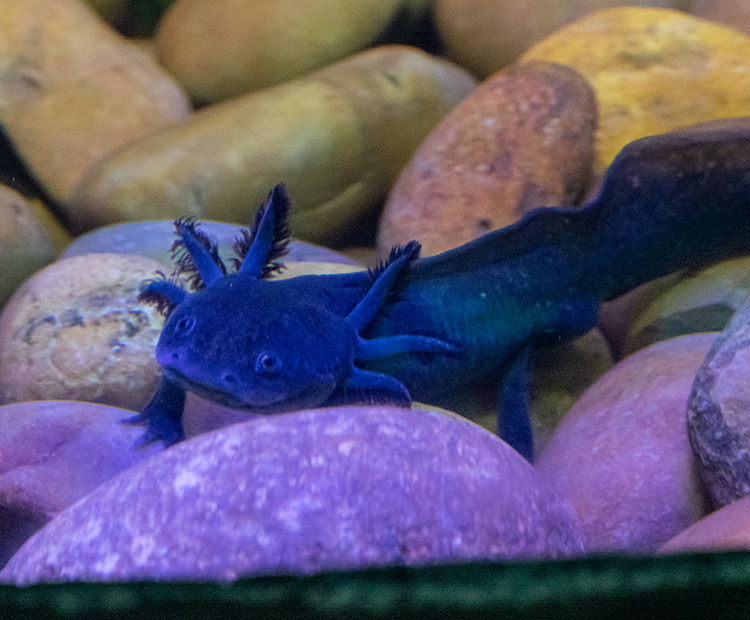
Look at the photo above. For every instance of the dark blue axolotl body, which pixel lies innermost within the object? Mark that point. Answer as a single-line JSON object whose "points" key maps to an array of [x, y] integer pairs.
{"points": [[420, 328]]}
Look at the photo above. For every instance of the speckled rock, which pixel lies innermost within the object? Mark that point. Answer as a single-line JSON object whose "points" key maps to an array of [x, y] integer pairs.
{"points": [[621, 457], [54, 453], [718, 413], [653, 70], [304, 492], [75, 331], [725, 529], [73, 90], [27, 241], [522, 139], [487, 35]]}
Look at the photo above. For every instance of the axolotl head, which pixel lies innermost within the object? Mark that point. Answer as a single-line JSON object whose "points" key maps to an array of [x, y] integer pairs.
{"points": [[256, 344]]}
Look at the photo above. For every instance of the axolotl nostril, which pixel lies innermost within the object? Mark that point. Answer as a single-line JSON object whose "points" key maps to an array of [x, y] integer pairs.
{"points": [[422, 328]]}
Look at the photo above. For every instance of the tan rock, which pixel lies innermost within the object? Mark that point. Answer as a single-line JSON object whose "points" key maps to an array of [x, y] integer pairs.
{"points": [[621, 457], [219, 49], [75, 331], [73, 90], [522, 139], [653, 70]]}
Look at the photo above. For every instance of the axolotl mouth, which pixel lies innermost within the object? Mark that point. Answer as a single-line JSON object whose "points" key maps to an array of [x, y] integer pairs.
{"points": [[266, 405]]}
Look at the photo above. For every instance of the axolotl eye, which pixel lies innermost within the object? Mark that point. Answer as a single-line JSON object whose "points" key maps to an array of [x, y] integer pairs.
{"points": [[267, 364], [184, 326]]}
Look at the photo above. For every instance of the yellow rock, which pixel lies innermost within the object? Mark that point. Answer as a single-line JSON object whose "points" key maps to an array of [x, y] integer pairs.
{"points": [[486, 35], [653, 70]]}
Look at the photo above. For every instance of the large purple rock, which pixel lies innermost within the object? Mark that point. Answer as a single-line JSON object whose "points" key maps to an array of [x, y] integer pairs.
{"points": [[298, 493]]}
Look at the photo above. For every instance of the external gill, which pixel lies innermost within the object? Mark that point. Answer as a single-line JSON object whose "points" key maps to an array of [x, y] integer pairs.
{"points": [[163, 293], [197, 256], [260, 249]]}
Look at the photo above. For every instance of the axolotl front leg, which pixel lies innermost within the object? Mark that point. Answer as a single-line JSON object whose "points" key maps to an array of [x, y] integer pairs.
{"points": [[381, 387], [162, 415]]}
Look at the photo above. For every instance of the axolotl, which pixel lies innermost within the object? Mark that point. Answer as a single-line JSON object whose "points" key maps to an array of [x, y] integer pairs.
{"points": [[421, 327]]}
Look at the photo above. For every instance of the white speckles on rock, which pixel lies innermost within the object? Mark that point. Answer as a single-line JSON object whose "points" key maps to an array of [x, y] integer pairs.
{"points": [[345, 447], [107, 563], [371, 498], [142, 548], [184, 480]]}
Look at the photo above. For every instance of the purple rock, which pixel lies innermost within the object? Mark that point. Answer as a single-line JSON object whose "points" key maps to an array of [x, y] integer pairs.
{"points": [[52, 453], [298, 493], [153, 239]]}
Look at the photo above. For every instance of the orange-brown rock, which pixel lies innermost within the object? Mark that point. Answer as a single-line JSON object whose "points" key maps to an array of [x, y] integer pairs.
{"points": [[522, 139]]}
